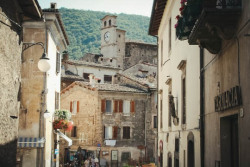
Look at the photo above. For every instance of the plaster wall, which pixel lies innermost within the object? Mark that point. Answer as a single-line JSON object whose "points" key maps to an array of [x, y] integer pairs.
{"points": [[228, 69], [168, 61]]}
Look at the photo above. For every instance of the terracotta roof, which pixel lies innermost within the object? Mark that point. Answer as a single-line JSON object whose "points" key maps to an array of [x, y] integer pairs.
{"points": [[58, 16], [156, 16], [79, 62], [106, 87], [71, 77], [109, 16], [135, 73]]}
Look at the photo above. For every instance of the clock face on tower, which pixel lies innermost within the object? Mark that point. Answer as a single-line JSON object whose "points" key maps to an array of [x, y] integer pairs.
{"points": [[107, 36]]}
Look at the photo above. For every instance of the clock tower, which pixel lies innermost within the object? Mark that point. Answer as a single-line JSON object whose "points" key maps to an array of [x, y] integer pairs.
{"points": [[112, 41]]}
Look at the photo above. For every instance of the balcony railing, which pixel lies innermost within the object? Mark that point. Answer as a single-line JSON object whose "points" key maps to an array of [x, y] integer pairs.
{"points": [[216, 22]]}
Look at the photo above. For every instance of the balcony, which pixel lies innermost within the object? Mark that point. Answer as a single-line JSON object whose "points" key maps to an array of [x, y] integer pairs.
{"points": [[216, 22]]}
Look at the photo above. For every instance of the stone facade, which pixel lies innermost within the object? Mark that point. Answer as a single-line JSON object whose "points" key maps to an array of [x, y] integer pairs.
{"points": [[136, 52], [10, 76]]}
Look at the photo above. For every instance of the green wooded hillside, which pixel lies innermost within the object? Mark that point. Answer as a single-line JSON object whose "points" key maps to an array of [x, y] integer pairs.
{"points": [[83, 30]]}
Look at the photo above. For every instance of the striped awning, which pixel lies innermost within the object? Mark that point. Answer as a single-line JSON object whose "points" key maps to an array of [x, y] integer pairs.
{"points": [[30, 142]]}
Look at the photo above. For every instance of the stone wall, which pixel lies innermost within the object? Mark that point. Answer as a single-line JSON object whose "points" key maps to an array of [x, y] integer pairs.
{"points": [[138, 52], [10, 54]]}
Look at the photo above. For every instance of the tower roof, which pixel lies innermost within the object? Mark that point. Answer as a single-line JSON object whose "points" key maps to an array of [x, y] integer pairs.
{"points": [[109, 16]]}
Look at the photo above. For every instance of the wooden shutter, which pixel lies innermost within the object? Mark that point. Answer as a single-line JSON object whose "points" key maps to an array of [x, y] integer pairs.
{"points": [[78, 106], [115, 106], [115, 131], [103, 107], [70, 106], [120, 106], [132, 106]]}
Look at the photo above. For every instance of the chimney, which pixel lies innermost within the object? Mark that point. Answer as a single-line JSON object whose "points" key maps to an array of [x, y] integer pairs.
{"points": [[92, 80], [53, 5]]}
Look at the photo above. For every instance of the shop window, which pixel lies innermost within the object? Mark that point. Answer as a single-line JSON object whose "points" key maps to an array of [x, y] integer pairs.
{"points": [[126, 132]]}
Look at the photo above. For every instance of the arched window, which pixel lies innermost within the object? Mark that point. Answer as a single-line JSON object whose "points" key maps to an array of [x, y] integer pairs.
{"points": [[190, 154], [109, 22], [169, 159], [105, 23]]}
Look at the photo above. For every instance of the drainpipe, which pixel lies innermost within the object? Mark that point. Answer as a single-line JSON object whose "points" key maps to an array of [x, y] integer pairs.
{"points": [[202, 109]]}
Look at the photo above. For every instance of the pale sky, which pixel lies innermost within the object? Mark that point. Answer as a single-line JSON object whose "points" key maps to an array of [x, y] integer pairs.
{"points": [[138, 7]]}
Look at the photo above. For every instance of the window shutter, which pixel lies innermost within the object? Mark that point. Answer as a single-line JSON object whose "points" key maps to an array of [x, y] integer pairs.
{"points": [[78, 106], [120, 106], [116, 106], [132, 106], [115, 131], [58, 60], [103, 107], [70, 106]]}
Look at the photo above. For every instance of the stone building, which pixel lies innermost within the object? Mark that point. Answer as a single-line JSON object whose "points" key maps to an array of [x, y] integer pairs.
{"points": [[11, 37], [178, 90], [40, 90], [124, 71]]}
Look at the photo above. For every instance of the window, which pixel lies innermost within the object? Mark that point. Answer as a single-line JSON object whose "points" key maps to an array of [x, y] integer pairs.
{"points": [[169, 35], [86, 76], [105, 23], [57, 95], [125, 156], [74, 107], [183, 100], [58, 61], [177, 143], [126, 107], [108, 132], [161, 52], [108, 106], [109, 22], [107, 78], [73, 132], [126, 132], [161, 112], [155, 122]]}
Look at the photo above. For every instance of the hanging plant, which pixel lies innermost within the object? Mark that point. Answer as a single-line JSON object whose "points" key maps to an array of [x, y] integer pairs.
{"points": [[62, 114], [189, 12]]}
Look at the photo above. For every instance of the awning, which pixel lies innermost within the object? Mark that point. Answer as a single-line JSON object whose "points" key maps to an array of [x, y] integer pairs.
{"points": [[65, 137], [30, 142]]}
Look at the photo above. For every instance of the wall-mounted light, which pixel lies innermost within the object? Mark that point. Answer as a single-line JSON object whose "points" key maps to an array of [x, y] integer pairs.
{"points": [[43, 63], [46, 114]]}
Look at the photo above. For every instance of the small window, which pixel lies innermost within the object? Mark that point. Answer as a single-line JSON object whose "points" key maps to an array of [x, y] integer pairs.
{"points": [[108, 132], [57, 95], [74, 107], [107, 78], [105, 23], [58, 61], [155, 122], [108, 106], [109, 22], [177, 142], [73, 132], [86, 76], [126, 132], [119, 36], [126, 107], [125, 156]]}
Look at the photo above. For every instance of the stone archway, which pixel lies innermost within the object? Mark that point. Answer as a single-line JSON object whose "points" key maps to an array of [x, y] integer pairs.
{"points": [[190, 152]]}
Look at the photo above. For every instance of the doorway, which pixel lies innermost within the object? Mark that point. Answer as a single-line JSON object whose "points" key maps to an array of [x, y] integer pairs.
{"points": [[229, 141]]}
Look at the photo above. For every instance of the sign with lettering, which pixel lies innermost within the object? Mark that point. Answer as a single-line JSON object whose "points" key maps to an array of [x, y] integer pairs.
{"points": [[228, 99]]}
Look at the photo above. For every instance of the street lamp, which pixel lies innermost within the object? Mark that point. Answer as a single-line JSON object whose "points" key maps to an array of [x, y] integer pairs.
{"points": [[43, 66]]}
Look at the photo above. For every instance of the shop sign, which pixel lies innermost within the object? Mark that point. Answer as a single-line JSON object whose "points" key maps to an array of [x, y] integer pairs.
{"points": [[228, 99]]}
